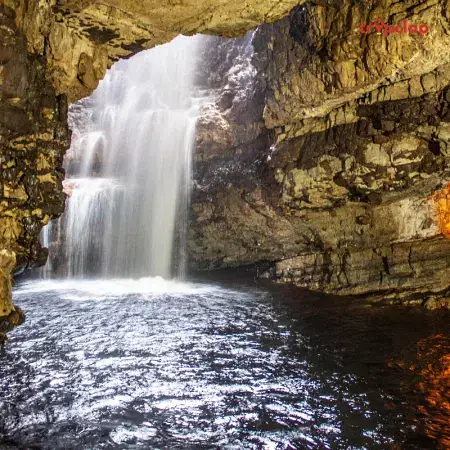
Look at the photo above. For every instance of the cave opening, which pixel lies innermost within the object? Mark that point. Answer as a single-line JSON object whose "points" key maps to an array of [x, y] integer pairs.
{"points": [[253, 252]]}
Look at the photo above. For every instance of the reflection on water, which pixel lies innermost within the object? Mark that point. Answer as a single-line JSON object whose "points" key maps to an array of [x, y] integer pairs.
{"points": [[154, 364], [434, 382], [429, 366]]}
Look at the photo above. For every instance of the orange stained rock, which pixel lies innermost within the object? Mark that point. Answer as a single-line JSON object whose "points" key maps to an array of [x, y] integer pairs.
{"points": [[442, 201]]}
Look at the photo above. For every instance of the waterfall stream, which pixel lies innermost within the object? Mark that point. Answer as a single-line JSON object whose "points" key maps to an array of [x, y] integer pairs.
{"points": [[129, 169]]}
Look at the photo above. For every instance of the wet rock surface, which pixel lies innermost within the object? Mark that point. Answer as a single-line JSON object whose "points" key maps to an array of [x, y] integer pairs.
{"points": [[231, 136], [344, 199], [33, 139]]}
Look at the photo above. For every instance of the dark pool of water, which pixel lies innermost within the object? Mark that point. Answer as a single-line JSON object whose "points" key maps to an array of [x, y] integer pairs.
{"points": [[156, 365]]}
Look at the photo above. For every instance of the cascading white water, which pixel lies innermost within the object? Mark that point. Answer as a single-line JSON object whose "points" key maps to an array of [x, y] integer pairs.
{"points": [[132, 184]]}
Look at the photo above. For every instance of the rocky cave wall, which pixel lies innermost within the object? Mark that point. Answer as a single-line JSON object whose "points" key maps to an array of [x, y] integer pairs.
{"points": [[343, 199]]}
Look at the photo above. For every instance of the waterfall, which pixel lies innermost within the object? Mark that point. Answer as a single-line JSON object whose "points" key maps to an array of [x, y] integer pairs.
{"points": [[129, 169]]}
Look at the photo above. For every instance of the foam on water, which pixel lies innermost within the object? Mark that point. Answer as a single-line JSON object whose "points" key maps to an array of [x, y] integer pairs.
{"points": [[97, 289]]}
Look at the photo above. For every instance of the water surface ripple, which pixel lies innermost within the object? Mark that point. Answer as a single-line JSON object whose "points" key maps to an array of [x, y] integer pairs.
{"points": [[146, 364]]}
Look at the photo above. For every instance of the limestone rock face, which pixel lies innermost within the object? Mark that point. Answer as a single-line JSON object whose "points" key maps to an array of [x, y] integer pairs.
{"points": [[331, 63], [344, 200], [33, 139], [10, 315], [80, 39], [231, 135], [7, 263]]}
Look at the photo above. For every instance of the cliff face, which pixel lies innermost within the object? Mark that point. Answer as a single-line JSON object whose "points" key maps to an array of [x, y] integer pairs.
{"points": [[33, 139], [231, 136], [79, 39], [346, 197]]}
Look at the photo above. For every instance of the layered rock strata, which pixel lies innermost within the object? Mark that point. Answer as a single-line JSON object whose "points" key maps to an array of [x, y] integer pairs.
{"points": [[344, 198]]}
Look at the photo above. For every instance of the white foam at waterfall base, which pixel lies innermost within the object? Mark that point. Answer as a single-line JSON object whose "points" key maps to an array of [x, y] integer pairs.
{"points": [[129, 196], [100, 289]]}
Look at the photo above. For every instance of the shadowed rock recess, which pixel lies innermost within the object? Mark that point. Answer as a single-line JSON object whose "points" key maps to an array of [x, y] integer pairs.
{"points": [[329, 167]]}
